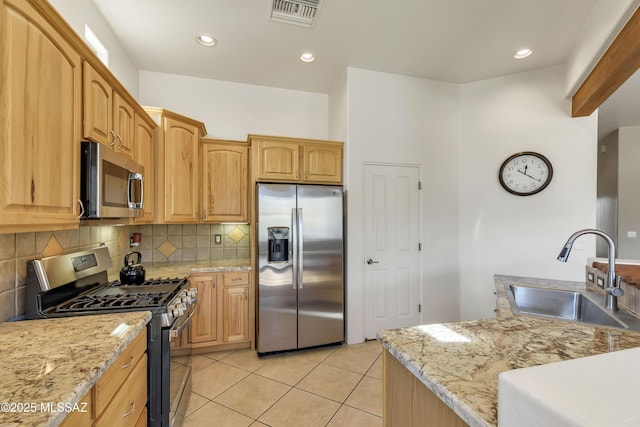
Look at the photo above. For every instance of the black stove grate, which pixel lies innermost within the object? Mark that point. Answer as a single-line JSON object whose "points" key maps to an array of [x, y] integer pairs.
{"points": [[154, 282], [150, 294], [110, 302]]}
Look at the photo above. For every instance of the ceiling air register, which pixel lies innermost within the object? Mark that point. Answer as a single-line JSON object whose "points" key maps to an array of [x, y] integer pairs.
{"points": [[296, 12]]}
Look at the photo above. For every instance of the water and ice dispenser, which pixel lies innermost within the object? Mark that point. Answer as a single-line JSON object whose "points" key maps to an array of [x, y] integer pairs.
{"points": [[278, 244]]}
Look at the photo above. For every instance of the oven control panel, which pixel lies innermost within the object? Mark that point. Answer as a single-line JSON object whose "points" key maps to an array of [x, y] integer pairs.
{"points": [[181, 305], [84, 262]]}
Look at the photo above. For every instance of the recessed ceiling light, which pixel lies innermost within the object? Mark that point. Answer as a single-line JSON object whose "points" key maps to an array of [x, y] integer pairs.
{"points": [[307, 57], [522, 53], [207, 41]]}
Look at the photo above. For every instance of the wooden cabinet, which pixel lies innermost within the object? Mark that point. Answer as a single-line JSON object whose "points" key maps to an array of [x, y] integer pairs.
{"points": [[123, 125], [178, 173], [97, 103], [408, 402], [235, 309], [108, 118], [222, 316], [144, 155], [225, 180], [204, 324], [81, 417], [322, 163], [119, 397], [40, 123], [279, 159]]}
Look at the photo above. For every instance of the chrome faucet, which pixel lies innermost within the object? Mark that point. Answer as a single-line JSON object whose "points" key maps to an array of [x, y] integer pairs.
{"points": [[613, 289]]}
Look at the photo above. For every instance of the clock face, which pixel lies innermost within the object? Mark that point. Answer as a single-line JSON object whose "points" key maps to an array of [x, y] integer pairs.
{"points": [[526, 173]]}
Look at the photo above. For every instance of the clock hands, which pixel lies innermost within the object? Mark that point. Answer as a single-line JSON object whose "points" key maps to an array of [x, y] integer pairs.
{"points": [[525, 173]]}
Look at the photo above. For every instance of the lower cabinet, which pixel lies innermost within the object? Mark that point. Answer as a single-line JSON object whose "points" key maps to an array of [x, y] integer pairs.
{"points": [[222, 315], [119, 397], [204, 324], [408, 402]]}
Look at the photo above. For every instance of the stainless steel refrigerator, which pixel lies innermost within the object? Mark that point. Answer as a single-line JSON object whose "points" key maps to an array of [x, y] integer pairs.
{"points": [[300, 266]]}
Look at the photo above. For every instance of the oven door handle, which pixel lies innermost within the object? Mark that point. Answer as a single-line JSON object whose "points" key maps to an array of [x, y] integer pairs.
{"points": [[175, 331]]}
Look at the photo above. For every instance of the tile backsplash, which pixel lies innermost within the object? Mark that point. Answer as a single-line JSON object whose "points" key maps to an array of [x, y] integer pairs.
{"points": [[160, 243]]}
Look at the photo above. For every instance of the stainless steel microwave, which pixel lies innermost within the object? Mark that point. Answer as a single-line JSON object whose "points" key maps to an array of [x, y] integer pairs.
{"points": [[112, 185]]}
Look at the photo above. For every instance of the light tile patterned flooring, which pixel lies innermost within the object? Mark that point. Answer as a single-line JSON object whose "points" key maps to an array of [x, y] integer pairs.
{"points": [[332, 386]]}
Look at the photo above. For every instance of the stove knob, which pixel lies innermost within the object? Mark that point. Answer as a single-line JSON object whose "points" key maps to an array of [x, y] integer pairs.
{"points": [[186, 300], [192, 292], [178, 311]]}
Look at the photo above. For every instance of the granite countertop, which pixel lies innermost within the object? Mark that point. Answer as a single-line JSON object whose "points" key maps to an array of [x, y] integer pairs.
{"points": [[51, 361], [157, 270], [460, 362]]}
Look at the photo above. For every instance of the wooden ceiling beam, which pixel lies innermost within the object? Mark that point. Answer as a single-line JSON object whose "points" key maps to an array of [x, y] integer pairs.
{"points": [[618, 63]]}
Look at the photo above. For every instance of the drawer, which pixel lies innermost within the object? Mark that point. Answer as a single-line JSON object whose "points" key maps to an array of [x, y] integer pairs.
{"points": [[236, 279], [129, 402], [112, 380]]}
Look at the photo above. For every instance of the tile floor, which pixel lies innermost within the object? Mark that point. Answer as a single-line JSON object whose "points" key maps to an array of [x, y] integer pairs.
{"points": [[333, 386]]}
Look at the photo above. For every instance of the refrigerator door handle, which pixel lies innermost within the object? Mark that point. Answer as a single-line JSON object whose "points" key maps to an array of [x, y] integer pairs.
{"points": [[300, 246], [294, 254]]}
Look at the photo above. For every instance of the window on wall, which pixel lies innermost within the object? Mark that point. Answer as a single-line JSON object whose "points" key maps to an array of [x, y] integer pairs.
{"points": [[96, 45]]}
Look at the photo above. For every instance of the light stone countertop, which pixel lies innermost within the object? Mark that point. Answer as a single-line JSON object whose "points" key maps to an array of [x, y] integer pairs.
{"points": [[460, 362], [157, 270], [53, 361]]}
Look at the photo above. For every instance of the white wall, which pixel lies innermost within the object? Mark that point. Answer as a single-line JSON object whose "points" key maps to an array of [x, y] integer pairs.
{"points": [[398, 119], [505, 234], [80, 12], [339, 110], [233, 110], [628, 184]]}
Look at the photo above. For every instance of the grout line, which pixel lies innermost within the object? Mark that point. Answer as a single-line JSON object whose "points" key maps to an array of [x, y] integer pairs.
{"points": [[291, 387]]}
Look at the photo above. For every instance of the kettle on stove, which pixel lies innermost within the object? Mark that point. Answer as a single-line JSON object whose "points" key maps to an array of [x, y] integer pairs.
{"points": [[133, 272]]}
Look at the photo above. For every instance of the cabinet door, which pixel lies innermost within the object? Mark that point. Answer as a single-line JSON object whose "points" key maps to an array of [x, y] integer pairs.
{"points": [[144, 154], [181, 172], [123, 126], [278, 161], [98, 113], [235, 314], [204, 325], [224, 183], [40, 122], [322, 163]]}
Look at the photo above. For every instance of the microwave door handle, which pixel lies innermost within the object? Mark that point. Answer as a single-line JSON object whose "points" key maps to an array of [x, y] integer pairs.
{"points": [[136, 177]]}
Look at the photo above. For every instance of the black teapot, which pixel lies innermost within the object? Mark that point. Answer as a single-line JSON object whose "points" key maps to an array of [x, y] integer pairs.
{"points": [[133, 272]]}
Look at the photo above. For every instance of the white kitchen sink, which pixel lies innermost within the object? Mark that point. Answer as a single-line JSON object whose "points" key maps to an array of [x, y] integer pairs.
{"points": [[593, 391]]}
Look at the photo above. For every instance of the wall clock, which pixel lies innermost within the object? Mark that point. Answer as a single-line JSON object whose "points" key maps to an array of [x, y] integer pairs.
{"points": [[525, 173]]}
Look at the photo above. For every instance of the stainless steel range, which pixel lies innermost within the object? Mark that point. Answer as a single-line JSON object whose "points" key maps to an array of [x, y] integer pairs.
{"points": [[77, 284]]}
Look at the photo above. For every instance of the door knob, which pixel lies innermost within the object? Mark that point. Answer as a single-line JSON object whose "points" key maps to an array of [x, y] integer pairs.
{"points": [[370, 261]]}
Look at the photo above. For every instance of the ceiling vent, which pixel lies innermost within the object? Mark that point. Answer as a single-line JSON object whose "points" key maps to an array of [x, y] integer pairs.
{"points": [[296, 12]]}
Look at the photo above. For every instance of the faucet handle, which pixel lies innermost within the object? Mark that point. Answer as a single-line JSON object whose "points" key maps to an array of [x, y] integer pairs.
{"points": [[616, 290]]}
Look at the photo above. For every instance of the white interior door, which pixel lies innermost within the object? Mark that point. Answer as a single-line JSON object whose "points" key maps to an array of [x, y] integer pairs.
{"points": [[391, 247]]}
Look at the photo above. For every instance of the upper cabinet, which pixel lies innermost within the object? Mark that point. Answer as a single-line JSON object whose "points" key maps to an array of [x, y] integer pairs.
{"points": [[280, 159], [178, 162], [45, 67], [322, 162], [225, 178], [144, 155], [40, 123], [108, 118]]}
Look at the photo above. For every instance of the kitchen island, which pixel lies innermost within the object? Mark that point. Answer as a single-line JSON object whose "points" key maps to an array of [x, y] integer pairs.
{"points": [[47, 366], [459, 363]]}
